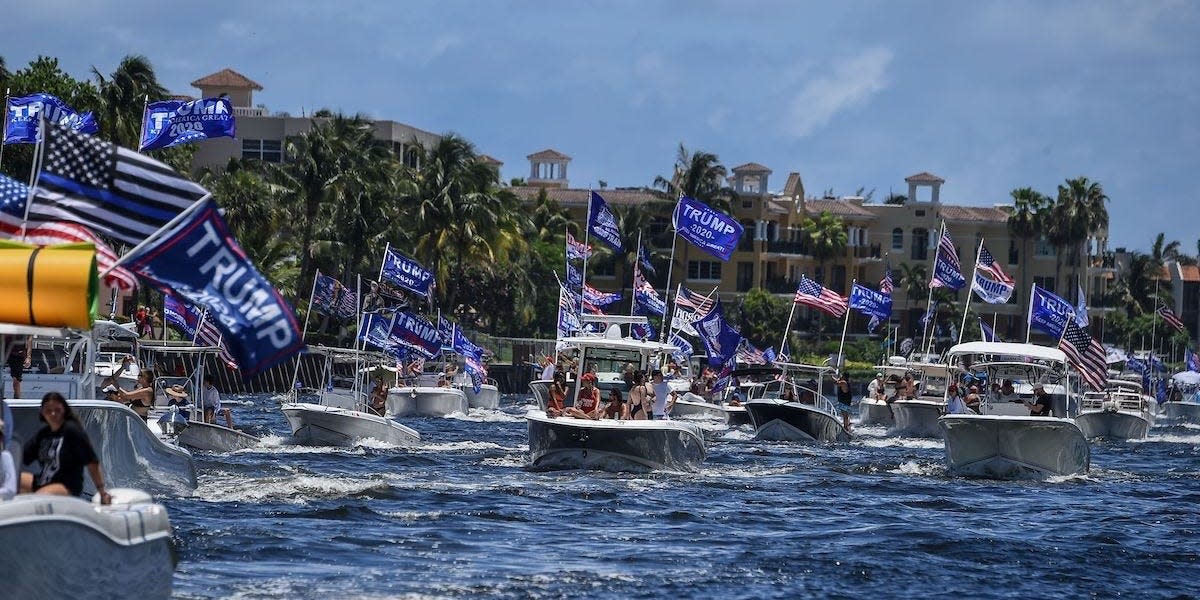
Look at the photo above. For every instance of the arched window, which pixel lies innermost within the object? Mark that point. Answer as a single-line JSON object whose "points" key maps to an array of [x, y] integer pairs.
{"points": [[897, 239]]}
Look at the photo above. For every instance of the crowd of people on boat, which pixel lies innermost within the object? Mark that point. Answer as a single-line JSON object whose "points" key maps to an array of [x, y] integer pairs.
{"points": [[639, 400]]}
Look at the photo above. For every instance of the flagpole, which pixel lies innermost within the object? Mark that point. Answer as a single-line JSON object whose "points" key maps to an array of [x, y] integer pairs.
{"points": [[307, 314], [34, 174], [357, 349], [670, 266], [1154, 317], [386, 248], [637, 259], [1029, 315], [142, 127], [4, 128], [929, 344], [929, 300], [187, 212], [994, 315], [787, 328], [845, 325], [587, 232], [970, 289]]}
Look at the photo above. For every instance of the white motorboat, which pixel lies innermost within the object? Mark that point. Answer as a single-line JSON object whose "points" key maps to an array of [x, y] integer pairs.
{"points": [[426, 400], [1118, 413], [340, 416], [918, 416], [805, 416], [66, 547], [1003, 441], [872, 411], [567, 442], [488, 395], [1187, 408], [191, 432]]}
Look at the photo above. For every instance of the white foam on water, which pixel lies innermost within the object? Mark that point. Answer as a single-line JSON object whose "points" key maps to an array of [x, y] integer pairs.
{"points": [[743, 472], [912, 467], [486, 415], [293, 488], [465, 445], [514, 461], [1058, 479], [1169, 438], [375, 444], [413, 516], [899, 442], [274, 444], [737, 435]]}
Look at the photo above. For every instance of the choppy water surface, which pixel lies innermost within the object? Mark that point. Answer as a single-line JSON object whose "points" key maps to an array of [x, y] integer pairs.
{"points": [[459, 516]]}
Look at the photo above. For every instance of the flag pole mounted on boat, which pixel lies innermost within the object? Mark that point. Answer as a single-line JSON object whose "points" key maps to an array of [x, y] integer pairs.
{"points": [[304, 334], [662, 335], [932, 274], [637, 267], [842, 345], [970, 290], [4, 127], [34, 173], [1029, 314], [787, 328]]}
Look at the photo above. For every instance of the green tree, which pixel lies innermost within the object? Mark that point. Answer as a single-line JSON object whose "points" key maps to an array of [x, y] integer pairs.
{"points": [[1025, 223], [826, 235], [699, 175], [43, 74], [123, 95], [763, 316]]}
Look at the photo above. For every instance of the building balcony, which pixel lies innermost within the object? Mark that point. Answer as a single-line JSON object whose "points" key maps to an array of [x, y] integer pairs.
{"points": [[786, 247], [874, 251], [780, 285], [249, 111]]}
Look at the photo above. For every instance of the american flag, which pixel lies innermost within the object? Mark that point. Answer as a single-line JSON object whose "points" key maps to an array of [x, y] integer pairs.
{"points": [[1168, 315], [948, 256], [110, 190], [987, 263], [885, 284], [693, 302], [192, 322], [1085, 354], [577, 250], [811, 293]]}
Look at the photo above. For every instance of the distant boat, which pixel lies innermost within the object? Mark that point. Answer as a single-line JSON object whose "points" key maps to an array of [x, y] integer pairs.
{"points": [[793, 409], [1188, 408], [1121, 412]]}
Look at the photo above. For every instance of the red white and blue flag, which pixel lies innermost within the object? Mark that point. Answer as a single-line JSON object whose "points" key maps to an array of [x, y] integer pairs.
{"points": [[689, 307], [947, 271], [1191, 360], [1085, 354], [885, 284], [813, 294], [1168, 315], [577, 250], [987, 263]]}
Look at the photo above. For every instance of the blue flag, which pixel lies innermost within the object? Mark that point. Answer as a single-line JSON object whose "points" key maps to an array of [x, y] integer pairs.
{"points": [[199, 260], [447, 330], [947, 271], [990, 291], [643, 331], [596, 297], [406, 273], [711, 231], [929, 312], [870, 302], [685, 347], [602, 223], [1049, 312], [22, 116], [646, 302], [720, 341], [1191, 360], [464, 346], [416, 334], [985, 332], [574, 276], [644, 260], [173, 122], [374, 330]]}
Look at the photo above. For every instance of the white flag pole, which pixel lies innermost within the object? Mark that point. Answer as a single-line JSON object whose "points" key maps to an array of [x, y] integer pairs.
{"points": [[788, 328], [587, 231], [842, 345], [929, 301], [142, 127], [970, 290], [670, 266], [637, 267], [39, 151], [4, 127], [1029, 315], [304, 333]]}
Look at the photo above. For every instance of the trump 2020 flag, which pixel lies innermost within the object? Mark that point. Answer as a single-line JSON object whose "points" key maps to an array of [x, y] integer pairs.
{"points": [[414, 333], [405, 272], [1049, 312], [644, 260], [1191, 360], [992, 292], [685, 347], [602, 223], [870, 302], [22, 116], [200, 261], [721, 341], [947, 271], [173, 122], [111, 190], [711, 231]]}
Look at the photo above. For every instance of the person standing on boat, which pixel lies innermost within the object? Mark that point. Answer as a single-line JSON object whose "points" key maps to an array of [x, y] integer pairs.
{"points": [[1040, 407], [664, 398], [378, 401], [8, 470], [558, 396], [142, 398], [547, 368], [972, 400], [844, 398], [63, 449], [875, 388], [210, 401], [19, 359], [639, 398], [587, 405]]}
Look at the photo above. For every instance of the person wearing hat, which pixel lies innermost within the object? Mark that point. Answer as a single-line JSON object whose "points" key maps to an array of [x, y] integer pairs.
{"points": [[177, 396], [587, 405], [8, 469], [1040, 407], [875, 389]]}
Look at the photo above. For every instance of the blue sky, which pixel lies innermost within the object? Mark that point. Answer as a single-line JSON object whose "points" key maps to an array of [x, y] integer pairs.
{"points": [[989, 95]]}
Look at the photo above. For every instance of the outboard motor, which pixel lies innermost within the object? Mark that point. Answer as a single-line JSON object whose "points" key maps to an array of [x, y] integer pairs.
{"points": [[173, 422]]}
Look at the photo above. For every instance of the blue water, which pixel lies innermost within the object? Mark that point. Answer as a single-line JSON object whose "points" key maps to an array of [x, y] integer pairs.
{"points": [[459, 516]]}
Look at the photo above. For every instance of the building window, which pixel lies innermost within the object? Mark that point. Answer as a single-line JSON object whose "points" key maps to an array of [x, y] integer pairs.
{"points": [[1044, 282], [745, 276], [837, 278], [412, 158], [264, 150], [897, 239], [920, 244], [920, 213], [748, 203], [704, 269], [1043, 248], [1014, 254], [746, 243]]}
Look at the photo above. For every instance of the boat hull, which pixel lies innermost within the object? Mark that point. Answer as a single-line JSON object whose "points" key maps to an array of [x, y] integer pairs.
{"points": [[210, 437], [64, 547], [319, 425], [1116, 425], [875, 412], [488, 396], [426, 402], [793, 422], [568, 443], [131, 454], [917, 418], [1007, 447], [1188, 412]]}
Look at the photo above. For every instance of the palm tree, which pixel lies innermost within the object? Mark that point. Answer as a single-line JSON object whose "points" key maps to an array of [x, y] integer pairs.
{"points": [[699, 175], [123, 95], [826, 234], [257, 219], [1135, 286], [1025, 222], [1162, 251], [914, 280], [1078, 214]]}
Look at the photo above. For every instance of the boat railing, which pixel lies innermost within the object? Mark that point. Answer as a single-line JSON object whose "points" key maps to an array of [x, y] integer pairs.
{"points": [[774, 389], [1101, 401]]}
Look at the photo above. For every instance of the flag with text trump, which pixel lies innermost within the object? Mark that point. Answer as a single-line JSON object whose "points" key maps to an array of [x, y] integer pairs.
{"points": [[23, 115], [721, 341], [710, 230], [200, 261], [602, 223], [871, 303], [947, 271], [173, 122], [406, 273], [813, 294]]}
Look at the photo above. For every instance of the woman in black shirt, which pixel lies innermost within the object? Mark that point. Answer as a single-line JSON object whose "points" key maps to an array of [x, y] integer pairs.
{"points": [[63, 449]]}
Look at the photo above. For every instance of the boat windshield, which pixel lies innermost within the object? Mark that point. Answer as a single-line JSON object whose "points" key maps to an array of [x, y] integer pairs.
{"points": [[609, 363]]}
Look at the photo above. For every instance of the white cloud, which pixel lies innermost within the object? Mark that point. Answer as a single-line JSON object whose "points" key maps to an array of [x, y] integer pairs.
{"points": [[850, 82]]}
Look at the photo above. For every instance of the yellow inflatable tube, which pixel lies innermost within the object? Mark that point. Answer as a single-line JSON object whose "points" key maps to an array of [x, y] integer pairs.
{"points": [[48, 286]]}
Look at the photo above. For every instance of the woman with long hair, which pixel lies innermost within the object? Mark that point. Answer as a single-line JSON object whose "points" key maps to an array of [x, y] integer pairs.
{"points": [[63, 449]]}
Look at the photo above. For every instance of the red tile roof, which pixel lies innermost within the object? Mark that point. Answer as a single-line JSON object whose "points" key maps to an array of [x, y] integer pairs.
{"points": [[751, 167], [548, 153], [973, 213], [793, 182], [841, 208], [924, 177], [576, 197], [227, 78], [1190, 272], [491, 160]]}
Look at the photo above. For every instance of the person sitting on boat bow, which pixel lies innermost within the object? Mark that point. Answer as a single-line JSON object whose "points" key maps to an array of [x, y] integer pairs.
{"points": [[972, 400], [789, 393], [1040, 407], [211, 403], [142, 398], [558, 396], [908, 387], [875, 389], [587, 405], [615, 409], [63, 449], [378, 401]]}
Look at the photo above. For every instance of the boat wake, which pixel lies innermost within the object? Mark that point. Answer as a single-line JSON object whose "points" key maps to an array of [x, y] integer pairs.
{"points": [[293, 489], [898, 442]]}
